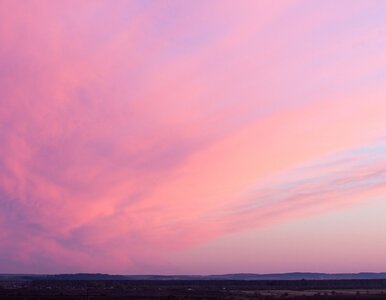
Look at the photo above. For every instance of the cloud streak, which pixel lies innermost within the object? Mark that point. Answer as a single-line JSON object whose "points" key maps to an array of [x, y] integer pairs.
{"points": [[131, 130]]}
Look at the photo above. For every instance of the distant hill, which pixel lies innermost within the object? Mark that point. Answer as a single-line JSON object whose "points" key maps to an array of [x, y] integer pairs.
{"points": [[299, 276], [241, 276]]}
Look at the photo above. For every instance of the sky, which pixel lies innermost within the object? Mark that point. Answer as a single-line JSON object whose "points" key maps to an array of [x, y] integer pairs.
{"points": [[192, 137]]}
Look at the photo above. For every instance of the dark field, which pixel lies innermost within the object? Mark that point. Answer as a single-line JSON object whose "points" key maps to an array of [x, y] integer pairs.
{"points": [[188, 289]]}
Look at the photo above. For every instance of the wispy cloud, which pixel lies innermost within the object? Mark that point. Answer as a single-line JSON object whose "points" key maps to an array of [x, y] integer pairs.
{"points": [[132, 129]]}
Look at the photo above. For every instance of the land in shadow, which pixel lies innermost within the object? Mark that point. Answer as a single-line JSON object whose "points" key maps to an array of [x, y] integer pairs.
{"points": [[38, 289]]}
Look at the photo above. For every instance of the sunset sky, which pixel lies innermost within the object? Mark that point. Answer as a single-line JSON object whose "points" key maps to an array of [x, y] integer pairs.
{"points": [[192, 137]]}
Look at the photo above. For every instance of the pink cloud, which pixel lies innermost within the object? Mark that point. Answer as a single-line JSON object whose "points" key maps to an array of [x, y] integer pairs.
{"points": [[130, 131]]}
